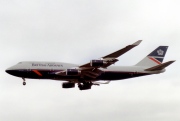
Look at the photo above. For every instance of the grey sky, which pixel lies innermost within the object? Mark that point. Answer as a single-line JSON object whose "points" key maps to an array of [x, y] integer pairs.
{"points": [[77, 31]]}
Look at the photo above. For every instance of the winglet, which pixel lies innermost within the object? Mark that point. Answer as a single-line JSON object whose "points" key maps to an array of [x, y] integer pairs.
{"points": [[137, 43]]}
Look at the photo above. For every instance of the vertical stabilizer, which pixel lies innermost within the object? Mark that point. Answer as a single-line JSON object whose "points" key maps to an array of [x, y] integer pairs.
{"points": [[154, 58]]}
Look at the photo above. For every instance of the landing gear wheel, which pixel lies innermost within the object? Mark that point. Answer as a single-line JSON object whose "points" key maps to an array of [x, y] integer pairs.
{"points": [[24, 83], [85, 86]]}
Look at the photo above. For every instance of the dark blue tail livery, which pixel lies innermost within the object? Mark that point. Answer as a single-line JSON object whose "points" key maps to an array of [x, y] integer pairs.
{"points": [[159, 53]]}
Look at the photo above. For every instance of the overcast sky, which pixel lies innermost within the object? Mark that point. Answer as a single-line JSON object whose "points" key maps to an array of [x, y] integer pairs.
{"points": [[77, 31]]}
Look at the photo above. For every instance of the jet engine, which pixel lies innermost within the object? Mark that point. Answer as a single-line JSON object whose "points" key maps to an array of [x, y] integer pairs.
{"points": [[68, 85], [72, 72], [97, 63]]}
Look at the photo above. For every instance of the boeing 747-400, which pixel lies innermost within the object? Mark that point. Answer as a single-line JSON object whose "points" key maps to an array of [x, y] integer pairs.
{"points": [[90, 73]]}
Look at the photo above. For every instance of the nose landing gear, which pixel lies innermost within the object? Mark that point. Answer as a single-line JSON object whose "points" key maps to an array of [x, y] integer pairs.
{"points": [[24, 81]]}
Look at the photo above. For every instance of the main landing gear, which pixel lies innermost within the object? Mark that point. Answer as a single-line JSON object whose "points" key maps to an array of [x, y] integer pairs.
{"points": [[24, 81], [86, 85]]}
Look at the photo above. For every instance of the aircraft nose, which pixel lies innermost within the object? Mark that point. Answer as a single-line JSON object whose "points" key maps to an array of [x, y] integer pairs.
{"points": [[13, 70], [8, 71]]}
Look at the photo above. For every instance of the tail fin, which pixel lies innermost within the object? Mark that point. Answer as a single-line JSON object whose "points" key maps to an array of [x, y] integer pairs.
{"points": [[154, 58]]}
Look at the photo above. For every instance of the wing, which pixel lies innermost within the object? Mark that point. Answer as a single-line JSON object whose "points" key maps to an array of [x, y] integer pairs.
{"points": [[111, 58], [89, 71]]}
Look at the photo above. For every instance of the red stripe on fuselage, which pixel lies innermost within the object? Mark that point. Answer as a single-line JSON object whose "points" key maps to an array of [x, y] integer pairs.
{"points": [[153, 59], [37, 72]]}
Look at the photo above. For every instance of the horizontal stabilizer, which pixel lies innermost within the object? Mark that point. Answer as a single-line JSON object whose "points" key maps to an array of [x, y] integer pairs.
{"points": [[160, 66]]}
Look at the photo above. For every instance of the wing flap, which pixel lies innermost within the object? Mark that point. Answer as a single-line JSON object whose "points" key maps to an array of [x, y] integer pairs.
{"points": [[89, 75], [92, 74]]}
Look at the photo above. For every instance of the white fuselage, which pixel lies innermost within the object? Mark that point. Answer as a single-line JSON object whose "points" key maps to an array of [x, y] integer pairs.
{"points": [[47, 70]]}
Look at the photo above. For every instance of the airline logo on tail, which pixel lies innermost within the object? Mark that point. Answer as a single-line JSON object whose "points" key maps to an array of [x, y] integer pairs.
{"points": [[160, 52]]}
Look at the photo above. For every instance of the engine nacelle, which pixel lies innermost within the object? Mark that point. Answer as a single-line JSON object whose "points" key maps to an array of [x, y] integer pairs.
{"points": [[72, 72], [97, 63], [68, 85]]}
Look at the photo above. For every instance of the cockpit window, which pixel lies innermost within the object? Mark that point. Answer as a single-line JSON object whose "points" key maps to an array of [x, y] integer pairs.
{"points": [[20, 63]]}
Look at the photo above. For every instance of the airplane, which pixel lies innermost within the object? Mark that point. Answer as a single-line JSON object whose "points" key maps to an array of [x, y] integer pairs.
{"points": [[94, 71]]}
